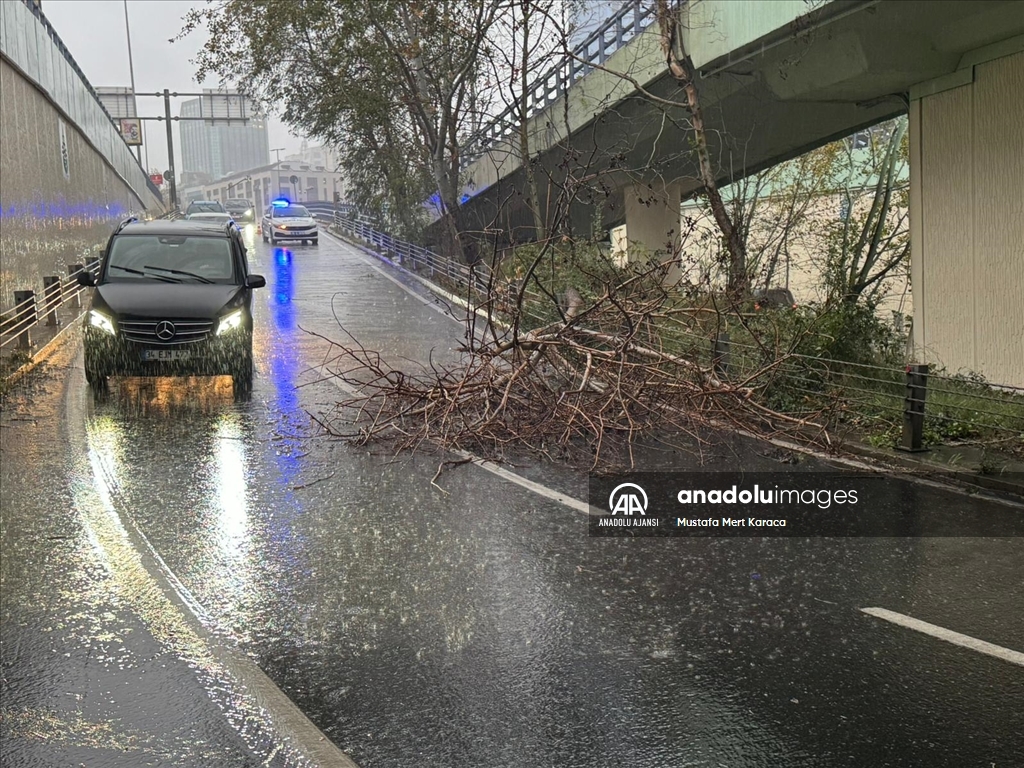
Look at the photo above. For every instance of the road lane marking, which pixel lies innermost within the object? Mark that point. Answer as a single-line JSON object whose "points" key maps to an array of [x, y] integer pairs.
{"points": [[941, 633], [541, 490], [538, 488]]}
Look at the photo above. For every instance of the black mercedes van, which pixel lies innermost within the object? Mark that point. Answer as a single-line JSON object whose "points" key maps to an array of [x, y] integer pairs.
{"points": [[172, 298]]}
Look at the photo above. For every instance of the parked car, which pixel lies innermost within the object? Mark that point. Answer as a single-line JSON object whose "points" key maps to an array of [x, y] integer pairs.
{"points": [[172, 298], [287, 221]]}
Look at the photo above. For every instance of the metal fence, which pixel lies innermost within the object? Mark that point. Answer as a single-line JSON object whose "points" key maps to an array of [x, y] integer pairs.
{"points": [[629, 21], [413, 256], [37, 307], [33, 308], [908, 407]]}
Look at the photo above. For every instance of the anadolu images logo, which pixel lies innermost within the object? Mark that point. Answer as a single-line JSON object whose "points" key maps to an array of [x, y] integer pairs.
{"points": [[628, 498]]}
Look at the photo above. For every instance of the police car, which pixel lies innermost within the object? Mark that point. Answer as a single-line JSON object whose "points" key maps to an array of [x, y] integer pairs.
{"points": [[285, 221]]}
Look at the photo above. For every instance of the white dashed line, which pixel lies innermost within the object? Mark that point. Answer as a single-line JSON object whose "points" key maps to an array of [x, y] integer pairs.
{"points": [[941, 633], [489, 466]]}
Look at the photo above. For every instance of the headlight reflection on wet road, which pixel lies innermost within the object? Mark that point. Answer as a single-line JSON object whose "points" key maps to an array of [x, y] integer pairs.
{"points": [[230, 485]]}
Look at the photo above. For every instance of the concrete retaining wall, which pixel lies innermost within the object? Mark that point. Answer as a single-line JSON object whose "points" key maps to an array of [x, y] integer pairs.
{"points": [[66, 177]]}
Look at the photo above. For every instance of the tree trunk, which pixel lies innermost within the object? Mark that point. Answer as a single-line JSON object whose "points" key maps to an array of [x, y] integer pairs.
{"points": [[682, 70], [533, 199]]}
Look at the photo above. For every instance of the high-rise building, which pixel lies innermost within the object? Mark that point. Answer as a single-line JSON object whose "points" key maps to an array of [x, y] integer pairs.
{"points": [[221, 147], [315, 157]]}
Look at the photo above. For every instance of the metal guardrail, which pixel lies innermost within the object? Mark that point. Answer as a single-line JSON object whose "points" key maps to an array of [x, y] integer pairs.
{"points": [[631, 19], [411, 255], [32, 308]]}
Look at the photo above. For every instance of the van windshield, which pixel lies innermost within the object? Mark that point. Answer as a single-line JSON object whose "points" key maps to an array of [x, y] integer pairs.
{"points": [[176, 258]]}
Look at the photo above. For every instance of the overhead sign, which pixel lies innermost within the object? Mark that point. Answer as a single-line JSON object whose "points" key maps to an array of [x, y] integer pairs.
{"points": [[157, 178], [118, 101], [131, 131], [224, 105]]}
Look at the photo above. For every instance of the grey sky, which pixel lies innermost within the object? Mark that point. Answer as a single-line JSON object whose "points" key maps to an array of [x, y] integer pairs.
{"points": [[94, 32]]}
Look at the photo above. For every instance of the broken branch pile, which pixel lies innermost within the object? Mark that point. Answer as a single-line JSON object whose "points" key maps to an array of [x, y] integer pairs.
{"points": [[580, 390]]}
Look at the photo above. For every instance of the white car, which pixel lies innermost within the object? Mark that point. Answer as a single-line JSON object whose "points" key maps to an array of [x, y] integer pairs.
{"points": [[288, 221], [218, 218]]}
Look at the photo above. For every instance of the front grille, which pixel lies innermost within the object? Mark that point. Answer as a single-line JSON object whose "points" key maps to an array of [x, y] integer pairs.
{"points": [[186, 330]]}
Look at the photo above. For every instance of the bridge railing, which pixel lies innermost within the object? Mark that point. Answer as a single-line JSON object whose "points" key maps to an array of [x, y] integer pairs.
{"points": [[629, 21], [413, 256]]}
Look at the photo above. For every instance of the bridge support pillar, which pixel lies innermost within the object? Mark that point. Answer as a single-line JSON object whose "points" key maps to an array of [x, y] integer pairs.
{"points": [[652, 223], [967, 221]]}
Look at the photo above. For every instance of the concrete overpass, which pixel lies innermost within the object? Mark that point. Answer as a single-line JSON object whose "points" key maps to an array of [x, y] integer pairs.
{"points": [[776, 80]]}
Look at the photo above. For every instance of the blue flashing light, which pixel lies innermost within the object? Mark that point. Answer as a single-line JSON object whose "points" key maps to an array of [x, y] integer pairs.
{"points": [[280, 203]]}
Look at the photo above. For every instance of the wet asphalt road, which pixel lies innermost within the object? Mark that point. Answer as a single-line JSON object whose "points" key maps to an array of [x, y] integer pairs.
{"points": [[478, 626]]}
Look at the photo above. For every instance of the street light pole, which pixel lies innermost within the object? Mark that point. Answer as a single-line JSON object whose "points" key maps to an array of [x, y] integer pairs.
{"points": [[277, 171], [131, 74]]}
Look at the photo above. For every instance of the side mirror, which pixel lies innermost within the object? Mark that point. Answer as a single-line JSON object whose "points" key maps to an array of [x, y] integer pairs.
{"points": [[86, 279], [255, 281]]}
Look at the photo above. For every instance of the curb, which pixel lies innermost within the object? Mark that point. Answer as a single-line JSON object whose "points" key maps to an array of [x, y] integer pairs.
{"points": [[46, 351], [960, 476], [879, 459]]}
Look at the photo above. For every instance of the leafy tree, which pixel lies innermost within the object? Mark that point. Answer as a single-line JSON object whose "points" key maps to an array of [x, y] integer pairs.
{"points": [[391, 83], [871, 241]]}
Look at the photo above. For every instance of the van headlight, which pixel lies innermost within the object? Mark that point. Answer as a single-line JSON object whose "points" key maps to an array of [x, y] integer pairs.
{"points": [[101, 321], [230, 321]]}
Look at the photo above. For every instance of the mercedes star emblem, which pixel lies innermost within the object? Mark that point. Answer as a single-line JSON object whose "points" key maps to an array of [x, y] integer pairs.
{"points": [[165, 330]]}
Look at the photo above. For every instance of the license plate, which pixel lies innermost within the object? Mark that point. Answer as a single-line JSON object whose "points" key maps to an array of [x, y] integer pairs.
{"points": [[165, 355]]}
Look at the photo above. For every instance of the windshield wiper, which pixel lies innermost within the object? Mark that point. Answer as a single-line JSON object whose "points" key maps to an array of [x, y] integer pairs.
{"points": [[200, 278], [144, 274]]}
